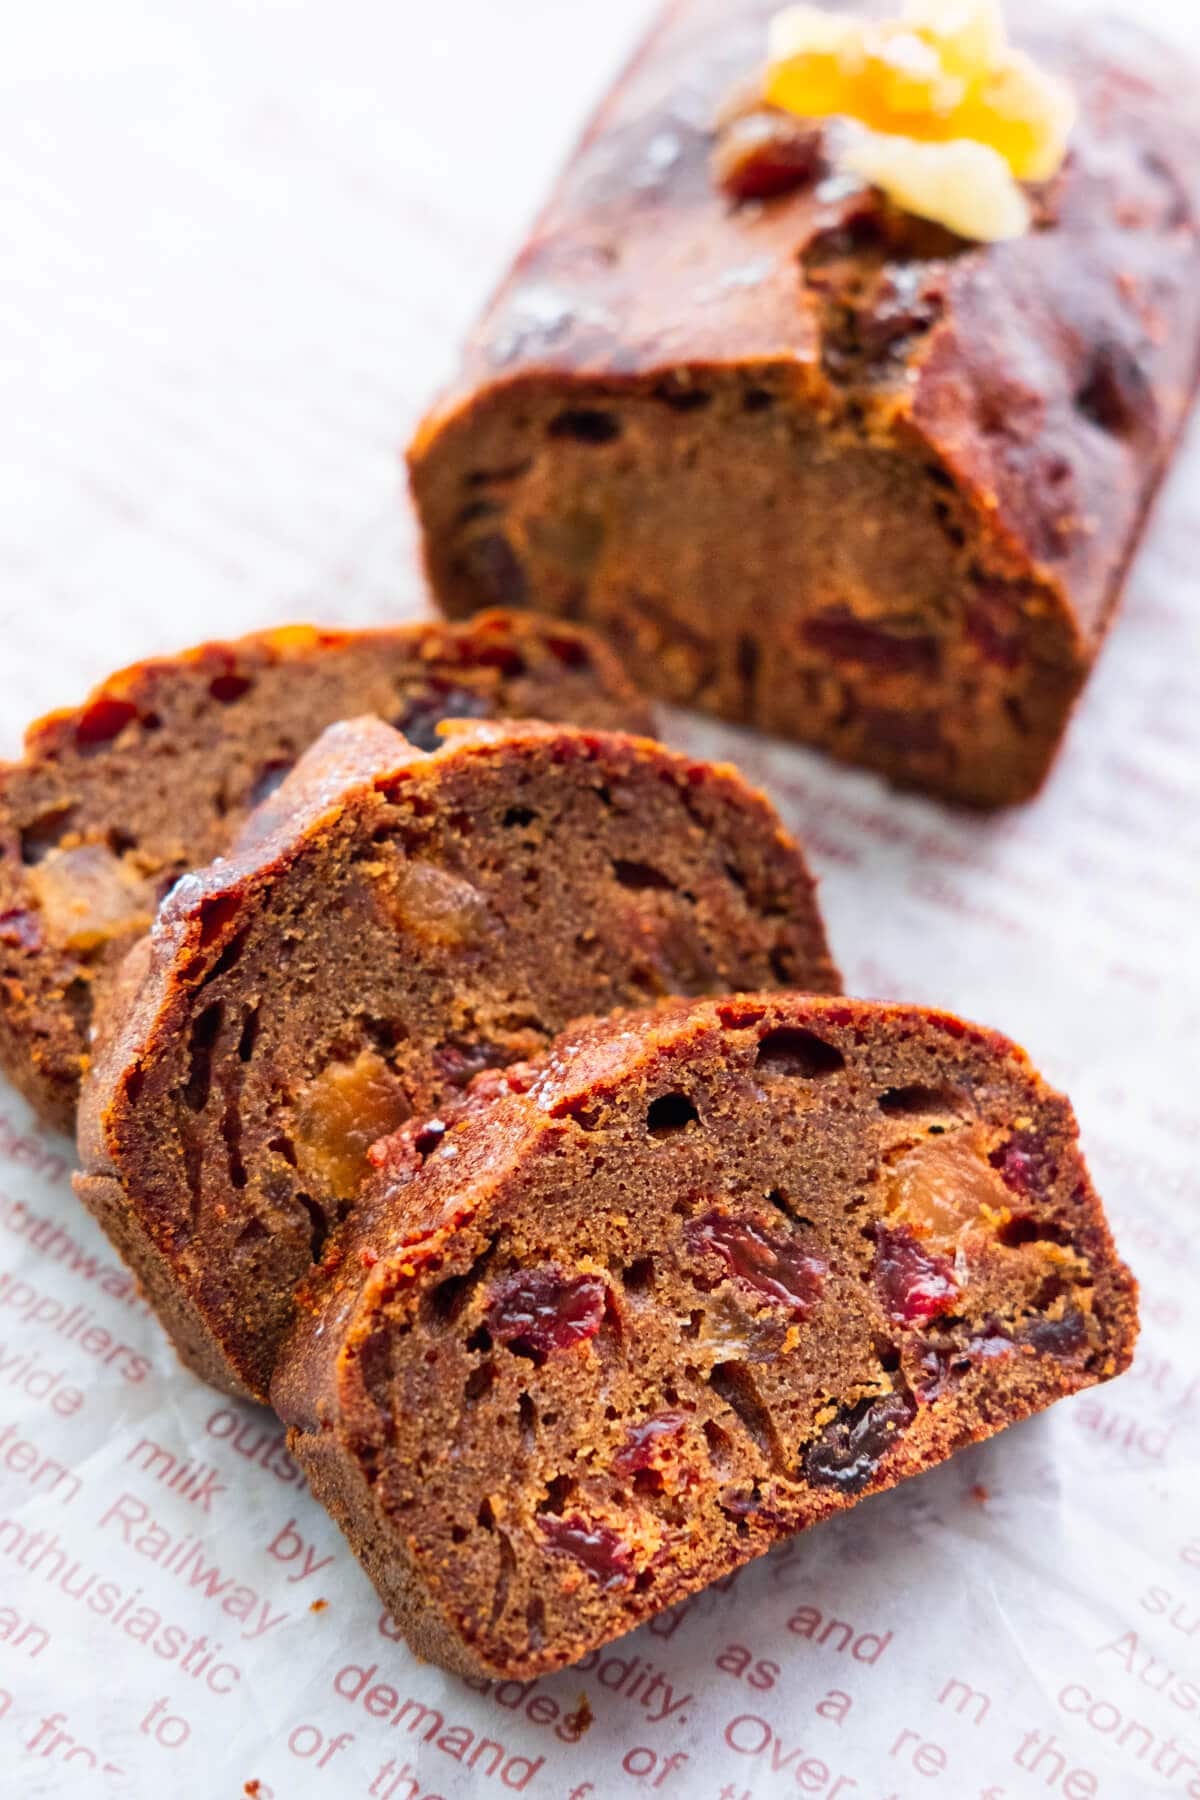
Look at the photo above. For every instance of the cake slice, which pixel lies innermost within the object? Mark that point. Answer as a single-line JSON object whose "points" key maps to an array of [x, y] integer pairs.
{"points": [[155, 773], [391, 922], [693, 1281]]}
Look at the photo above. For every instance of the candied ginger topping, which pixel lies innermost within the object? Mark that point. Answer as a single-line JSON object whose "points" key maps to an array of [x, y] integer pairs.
{"points": [[951, 117]]}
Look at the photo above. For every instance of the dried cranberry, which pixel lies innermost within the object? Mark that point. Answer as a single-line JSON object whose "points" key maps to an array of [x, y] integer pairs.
{"points": [[535, 1311], [1057, 1337], [765, 153], [21, 929], [1024, 1163], [603, 1552], [850, 639], [914, 1284], [102, 721], [847, 1453], [424, 713], [774, 1266], [641, 1442], [901, 733]]}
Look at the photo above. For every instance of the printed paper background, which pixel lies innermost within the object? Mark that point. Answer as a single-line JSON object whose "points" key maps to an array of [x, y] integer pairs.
{"points": [[240, 244]]}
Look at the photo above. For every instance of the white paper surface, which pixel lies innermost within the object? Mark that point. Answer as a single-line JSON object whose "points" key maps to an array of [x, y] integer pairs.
{"points": [[240, 244]]}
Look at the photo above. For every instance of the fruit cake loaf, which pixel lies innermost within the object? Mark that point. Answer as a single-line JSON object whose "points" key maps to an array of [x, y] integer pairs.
{"points": [[693, 1281], [391, 922], [814, 463], [155, 773]]}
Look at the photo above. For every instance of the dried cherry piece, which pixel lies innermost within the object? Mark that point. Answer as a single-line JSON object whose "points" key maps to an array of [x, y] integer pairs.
{"points": [[102, 721], [850, 639], [1025, 1163], [848, 1451], [424, 713], [777, 1267], [766, 153], [914, 1284], [601, 1550], [535, 1311], [642, 1442], [21, 929]]}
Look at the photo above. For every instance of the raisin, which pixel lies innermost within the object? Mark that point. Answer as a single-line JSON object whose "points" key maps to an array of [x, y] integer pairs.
{"points": [[1025, 1163], [849, 639], [913, 1283], [424, 713], [848, 1451], [639, 1451], [773, 1266], [1116, 393], [535, 1311], [603, 1552], [1057, 1337], [766, 153]]}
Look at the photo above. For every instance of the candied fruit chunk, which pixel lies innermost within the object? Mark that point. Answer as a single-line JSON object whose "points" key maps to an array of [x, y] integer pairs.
{"points": [[88, 895], [602, 1551], [777, 1267], [953, 117], [942, 1186], [963, 185], [433, 904], [846, 1454], [536, 1311], [340, 1114], [1062, 1337], [913, 1283], [1025, 1164], [645, 1442]]}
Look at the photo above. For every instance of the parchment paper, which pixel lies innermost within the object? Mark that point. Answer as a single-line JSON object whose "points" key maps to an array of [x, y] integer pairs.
{"points": [[240, 245]]}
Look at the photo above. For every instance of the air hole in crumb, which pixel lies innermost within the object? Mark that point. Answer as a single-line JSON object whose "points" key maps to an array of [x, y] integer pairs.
{"points": [[790, 1050], [519, 815], [203, 1040], [670, 1114], [283, 1146], [480, 1339], [504, 1575], [920, 1098], [585, 425], [558, 1492], [757, 399], [450, 1297], [485, 1517], [1026, 1230], [458, 1534], [38, 839], [639, 1275], [318, 1224], [720, 1444], [478, 1382], [641, 877], [782, 965], [644, 1580], [527, 1417], [245, 1047], [215, 914]]}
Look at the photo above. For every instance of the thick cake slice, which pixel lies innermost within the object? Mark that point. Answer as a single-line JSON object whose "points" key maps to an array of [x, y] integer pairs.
{"points": [[812, 462], [391, 923], [159, 768], [695, 1280]]}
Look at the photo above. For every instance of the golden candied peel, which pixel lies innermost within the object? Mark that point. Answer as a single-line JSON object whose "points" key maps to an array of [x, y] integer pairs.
{"points": [[949, 118]]}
